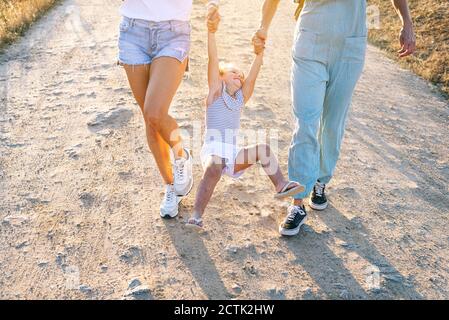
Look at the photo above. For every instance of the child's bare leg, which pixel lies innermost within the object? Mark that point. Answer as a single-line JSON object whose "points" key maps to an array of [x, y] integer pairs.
{"points": [[211, 176], [262, 153]]}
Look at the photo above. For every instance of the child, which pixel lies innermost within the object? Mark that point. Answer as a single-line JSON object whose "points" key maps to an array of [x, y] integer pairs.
{"points": [[229, 90]]}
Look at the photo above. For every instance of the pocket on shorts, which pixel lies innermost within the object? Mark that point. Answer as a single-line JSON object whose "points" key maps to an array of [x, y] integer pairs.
{"points": [[181, 28], [354, 49], [124, 25], [304, 46], [174, 41], [177, 30]]}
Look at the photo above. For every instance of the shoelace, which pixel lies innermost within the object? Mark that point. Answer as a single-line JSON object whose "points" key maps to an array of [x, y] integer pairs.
{"points": [[293, 212], [169, 194], [180, 170], [319, 189]]}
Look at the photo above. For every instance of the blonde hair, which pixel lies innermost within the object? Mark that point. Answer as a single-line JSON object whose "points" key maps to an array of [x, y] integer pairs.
{"points": [[226, 66]]}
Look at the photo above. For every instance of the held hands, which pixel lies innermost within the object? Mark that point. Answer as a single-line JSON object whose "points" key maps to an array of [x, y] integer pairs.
{"points": [[213, 18], [407, 40], [259, 39]]}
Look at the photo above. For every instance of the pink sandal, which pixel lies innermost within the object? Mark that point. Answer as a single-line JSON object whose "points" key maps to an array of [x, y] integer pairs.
{"points": [[195, 223], [290, 189]]}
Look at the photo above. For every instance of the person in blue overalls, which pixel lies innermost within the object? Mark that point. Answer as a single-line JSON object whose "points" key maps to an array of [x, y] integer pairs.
{"points": [[328, 57]]}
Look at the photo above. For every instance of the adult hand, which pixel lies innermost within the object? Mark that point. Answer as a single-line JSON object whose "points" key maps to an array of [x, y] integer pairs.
{"points": [[407, 40], [259, 40], [213, 18]]}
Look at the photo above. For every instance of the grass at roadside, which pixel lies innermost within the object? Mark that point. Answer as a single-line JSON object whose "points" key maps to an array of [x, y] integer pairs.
{"points": [[17, 15], [431, 19]]}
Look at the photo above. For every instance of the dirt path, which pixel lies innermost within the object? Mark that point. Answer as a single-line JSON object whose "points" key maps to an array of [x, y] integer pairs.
{"points": [[79, 192]]}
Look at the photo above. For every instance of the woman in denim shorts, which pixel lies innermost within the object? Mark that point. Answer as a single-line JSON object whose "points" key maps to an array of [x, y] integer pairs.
{"points": [[154, 44]]}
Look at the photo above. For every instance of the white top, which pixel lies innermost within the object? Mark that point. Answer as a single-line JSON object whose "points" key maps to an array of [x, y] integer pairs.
{"points": [[158, 10]]}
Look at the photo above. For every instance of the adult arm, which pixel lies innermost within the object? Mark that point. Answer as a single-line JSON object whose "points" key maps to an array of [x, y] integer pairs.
{"points": [[269, 9], [407, 38]]}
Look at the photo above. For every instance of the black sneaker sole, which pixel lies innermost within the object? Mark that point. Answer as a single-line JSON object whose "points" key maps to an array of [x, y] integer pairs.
{"points": [[292, 232], [318, 207]]}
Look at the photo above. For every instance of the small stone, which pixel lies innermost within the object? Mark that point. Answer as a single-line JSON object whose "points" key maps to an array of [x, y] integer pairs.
{"points": [[21, 245], [134, 283], [139, 292], [231, 249], [42, 264], [72, 154], [87, 199], [60, 259], [237, 289], [85, 289]]}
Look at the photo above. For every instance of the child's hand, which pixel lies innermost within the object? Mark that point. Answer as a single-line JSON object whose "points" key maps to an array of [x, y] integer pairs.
{"points": [[213, 19], [260, 52], [259, 40]]}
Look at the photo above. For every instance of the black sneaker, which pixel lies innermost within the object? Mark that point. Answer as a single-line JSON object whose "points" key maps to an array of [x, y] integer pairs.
{"points": [[296, 217], [318, 201]]}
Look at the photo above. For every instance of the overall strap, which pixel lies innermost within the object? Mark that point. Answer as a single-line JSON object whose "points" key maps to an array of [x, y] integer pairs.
{"points": [[299, 8]]}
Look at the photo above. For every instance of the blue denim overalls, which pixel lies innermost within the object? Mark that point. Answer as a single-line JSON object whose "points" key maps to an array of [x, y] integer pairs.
{"points": [[328, 58]]}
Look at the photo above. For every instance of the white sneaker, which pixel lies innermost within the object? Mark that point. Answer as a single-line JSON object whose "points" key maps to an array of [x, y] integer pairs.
{"points": [[183, 176], [169, 205]]}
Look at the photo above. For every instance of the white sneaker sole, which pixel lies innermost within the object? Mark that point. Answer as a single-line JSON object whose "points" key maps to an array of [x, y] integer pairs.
{"points": [[318, 207], [170, 214], [292, 232], [180, 194]]}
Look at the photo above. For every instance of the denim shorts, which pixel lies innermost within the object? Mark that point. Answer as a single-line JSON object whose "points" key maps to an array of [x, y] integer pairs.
{"points": [[142, 41]]}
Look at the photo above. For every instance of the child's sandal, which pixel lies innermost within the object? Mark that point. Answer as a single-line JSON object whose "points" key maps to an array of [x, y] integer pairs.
{"points": [[195, 223], [290, 189]]}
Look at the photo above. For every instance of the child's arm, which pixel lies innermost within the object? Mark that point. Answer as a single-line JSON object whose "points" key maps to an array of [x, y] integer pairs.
{"points": [[250, 81], [213, 73]]}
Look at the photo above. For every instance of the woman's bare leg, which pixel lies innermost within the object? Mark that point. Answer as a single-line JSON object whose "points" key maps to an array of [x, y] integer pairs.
{"points": [[210, 178], [165, 77], [261, 152], [138, 78]]}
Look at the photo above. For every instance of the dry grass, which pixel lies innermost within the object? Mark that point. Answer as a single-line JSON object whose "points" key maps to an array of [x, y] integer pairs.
{"points": [[17, 15], [431, 19]]}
